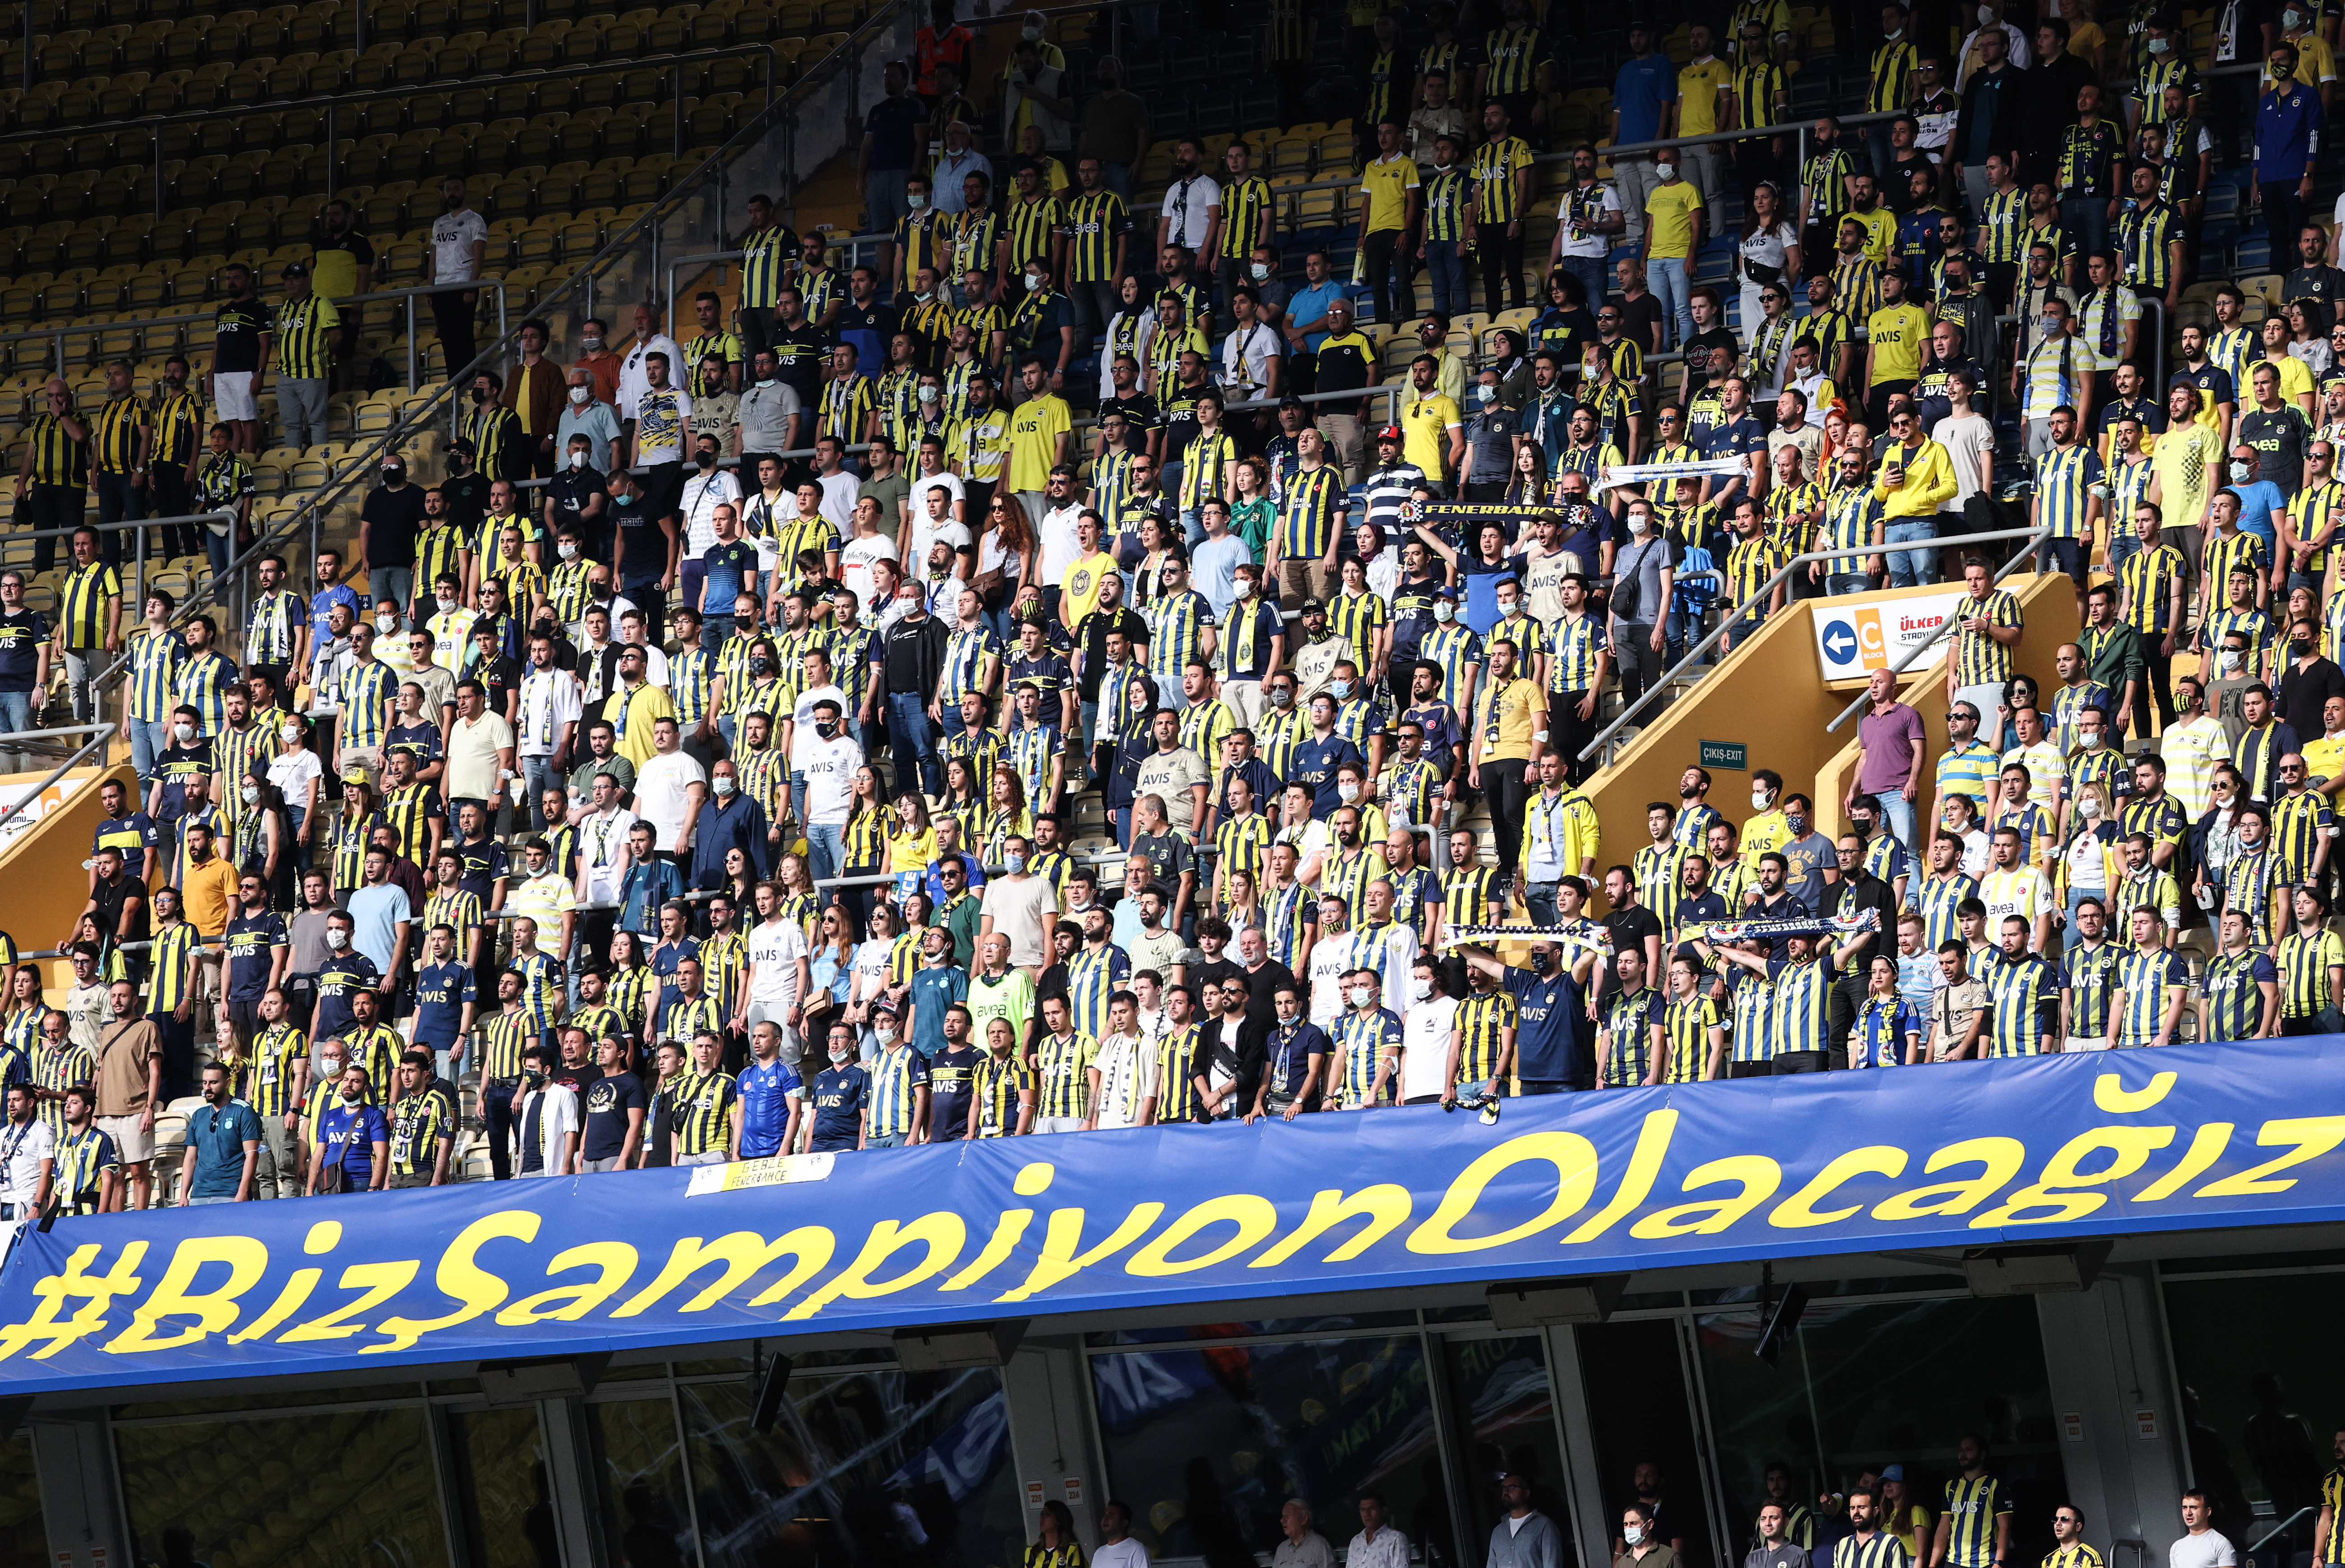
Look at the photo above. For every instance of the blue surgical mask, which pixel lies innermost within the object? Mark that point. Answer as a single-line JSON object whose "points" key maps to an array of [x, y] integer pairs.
{"points": [[1339, 688]]}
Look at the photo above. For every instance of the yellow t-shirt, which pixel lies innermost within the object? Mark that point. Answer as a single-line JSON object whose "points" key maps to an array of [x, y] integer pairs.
{"points": [[2295, 379], [1510, 716], [1386, 184], [1697, 89], [2315, 62], [1424, 425], [1035, 427], [2186, 462], [1880, 227], [1081, 592], [1898, 334], [1668, 212], [912, 850]]}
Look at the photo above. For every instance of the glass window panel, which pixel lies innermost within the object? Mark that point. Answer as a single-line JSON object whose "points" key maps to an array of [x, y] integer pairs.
{"points": [[1206, 1445], [2261, 1408], [1860, 1385], [1333, 1323], [258, 1493], [370, 1394], [500, 1481], [22, 1538], [881, 1466], [1502, 1408], [1636, 1389], [646, 1518]]}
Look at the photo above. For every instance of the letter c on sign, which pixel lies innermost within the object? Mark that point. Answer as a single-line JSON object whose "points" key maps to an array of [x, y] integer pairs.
{"points": [[1574, 1160]]}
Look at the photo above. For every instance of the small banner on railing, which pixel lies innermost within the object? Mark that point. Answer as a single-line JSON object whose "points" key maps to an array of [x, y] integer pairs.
{"points": [[1645, 474], [1856, 635]]}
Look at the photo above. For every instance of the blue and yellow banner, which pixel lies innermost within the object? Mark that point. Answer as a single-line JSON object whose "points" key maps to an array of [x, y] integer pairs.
{"points": [[1967, 1154]]}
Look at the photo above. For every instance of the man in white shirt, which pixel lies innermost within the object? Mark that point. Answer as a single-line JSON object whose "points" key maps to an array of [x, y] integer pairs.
{"points": [[709, 488], [1428, 1032], [2201, 1545], [551, 702], [1117, 1549], [633, 380], [603, 852], [868, 545], [777, 976], [1062, 548], [1250, 354], [460, 247], [480, 750], [1330, 960], [27, 1162], [1123, 1072], [824, 755], [1020, 905], [545, 1120], [1192, 202], [670, 787], [1378, 1544], [932, 521], [840, 486]]}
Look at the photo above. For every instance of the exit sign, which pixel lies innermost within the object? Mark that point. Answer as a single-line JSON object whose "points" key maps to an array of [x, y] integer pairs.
{"points": [[1731, 754]]}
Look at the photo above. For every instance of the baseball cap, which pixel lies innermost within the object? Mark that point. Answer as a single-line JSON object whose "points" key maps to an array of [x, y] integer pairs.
{"points": [[1389, 433], [1892, 1473], [1448, 593], [1312, 606], [1290, 401], [294, 270]]}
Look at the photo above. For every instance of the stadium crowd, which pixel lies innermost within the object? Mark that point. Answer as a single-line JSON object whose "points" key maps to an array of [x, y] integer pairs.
{"points": [[689, 798]]}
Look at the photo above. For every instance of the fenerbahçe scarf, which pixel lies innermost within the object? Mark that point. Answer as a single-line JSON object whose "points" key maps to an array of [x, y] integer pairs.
{"points": [[2036, 1150]]}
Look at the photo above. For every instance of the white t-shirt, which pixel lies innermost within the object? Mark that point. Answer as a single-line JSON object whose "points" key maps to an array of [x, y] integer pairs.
{"points": [[291, 772], [549, 700], [855, 559], [1329, 959], [918, 502], [839, 493], [2207, 1548], [1966, 438], [802, 715], [1247, 354], [1127, 1552], [1127, 1070], [774, 948], [1598, 202], [22, 1149], [1766, 247], [454, 235], [829, 768], [600, 840], [1022, 908], [923, 534], [1185, 205], [1061, 548], [1424, 1032], [661, 798], [702, 494]]}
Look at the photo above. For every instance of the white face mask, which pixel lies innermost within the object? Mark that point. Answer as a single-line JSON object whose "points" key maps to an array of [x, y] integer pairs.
{"points": [[2156, 46], [446, 601], [1486, 394], [1348, 791], [582, 395], [1757, 800], [722, 784], [567, 550], [250, 793], [1985, 15], [2230, 661], [386, 623], [1422, 990], [1443, 610], [1031, 34], [2089, 807], [1260, 270], [927, 394], [1667, 171], [578, 459], [1634, 1534], [917, 204], [1244, 588], [1362, 996], [338, 939], [2240, 473], [1637, 523], [1033, 282], [290, 734], [187, 732]]}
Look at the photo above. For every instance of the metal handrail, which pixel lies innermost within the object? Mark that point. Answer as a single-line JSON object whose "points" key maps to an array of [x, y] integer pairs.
{"points": [[2282, 1527], [96, 742], [2036, 537], [409, 295], [1767, 588]]}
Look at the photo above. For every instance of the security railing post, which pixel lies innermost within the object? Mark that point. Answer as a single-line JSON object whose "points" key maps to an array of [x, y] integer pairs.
{"points": [[28, 45], [330, 151], [138, 572], [158, 171], [413, 367], [678, 77]]}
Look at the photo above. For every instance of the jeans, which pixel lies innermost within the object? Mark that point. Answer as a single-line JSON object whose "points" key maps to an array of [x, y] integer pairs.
{"points": [[1590, 270], [2086, 220], [1445, 264], [1538, 897], [219, 549], [118, 501], [1117, 176], [1911, 568], [539, 775], [149, 739], [396, 583], [16, 711], [911, 737], [1666, 276], [1897, 813], [826, 849]]}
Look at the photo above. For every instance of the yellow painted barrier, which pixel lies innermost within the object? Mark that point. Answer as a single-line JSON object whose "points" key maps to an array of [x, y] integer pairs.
{"points": [[41, 868]]}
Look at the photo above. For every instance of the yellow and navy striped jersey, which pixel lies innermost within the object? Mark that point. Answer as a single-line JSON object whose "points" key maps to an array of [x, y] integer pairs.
{"points": [[1854, 516], [1466, 893], [457, 909], [541, 990], [1176, 1073], [976, 236], [1206, 725], [630, 991], [224, 483], [2222, 553], [2331, 1547], [1241, 843], [1031, 225], [1093, 223], [1493, 173], [1659, 874], [2305, 961], [1364, 1041], [922, 239], [1759, 90], [1093, 975], [1793, 513], [1062, 1063], [1629, 1020], [2145, 235], [2299, 821], [1825, 177], [2001, 218], [419, 1125], [1574, 646], [2249, 882], [1290, 30], [1979, 659], [2150, 81], [114, 433], [179, 421], [1856, 287], [81, 605], [2149, 577], [1686, 1025], [1483, 1020], [412, 808], [81, 1159], [2233, 989], [1751, 1030], [58, 1071], [369, 691], [155, 660], [895, 1074], [1749, 565], [1446, 191], [1511, 57], [847, 404], [691, 676], [999, 1084], [2063, 478], [700, 1108], [1307, 521], [1799, 1005], [2088, 975], [377, 1048], [305, 338], [57, 457], [1356, 618], [264, 1082], [1971, 1503], [200, 684], [1893, 68], [508, 1035], [2023, 996], [767, 254], [2312, 513]]}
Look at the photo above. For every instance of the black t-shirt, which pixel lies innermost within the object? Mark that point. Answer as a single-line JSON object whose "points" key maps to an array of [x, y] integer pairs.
{"points": [[2279, 437], [467, 499], [1093, 632], [237, 327], [501, 675], [642, 542], [1703, 342], [581, 1078], [802, 355], [1640, 320], [1204, 975], [1262, 1001], [570, 490], [608, 1100], [21, 636], [392, 517], [1629, 927], [952, 1080], [1140, 415]]}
